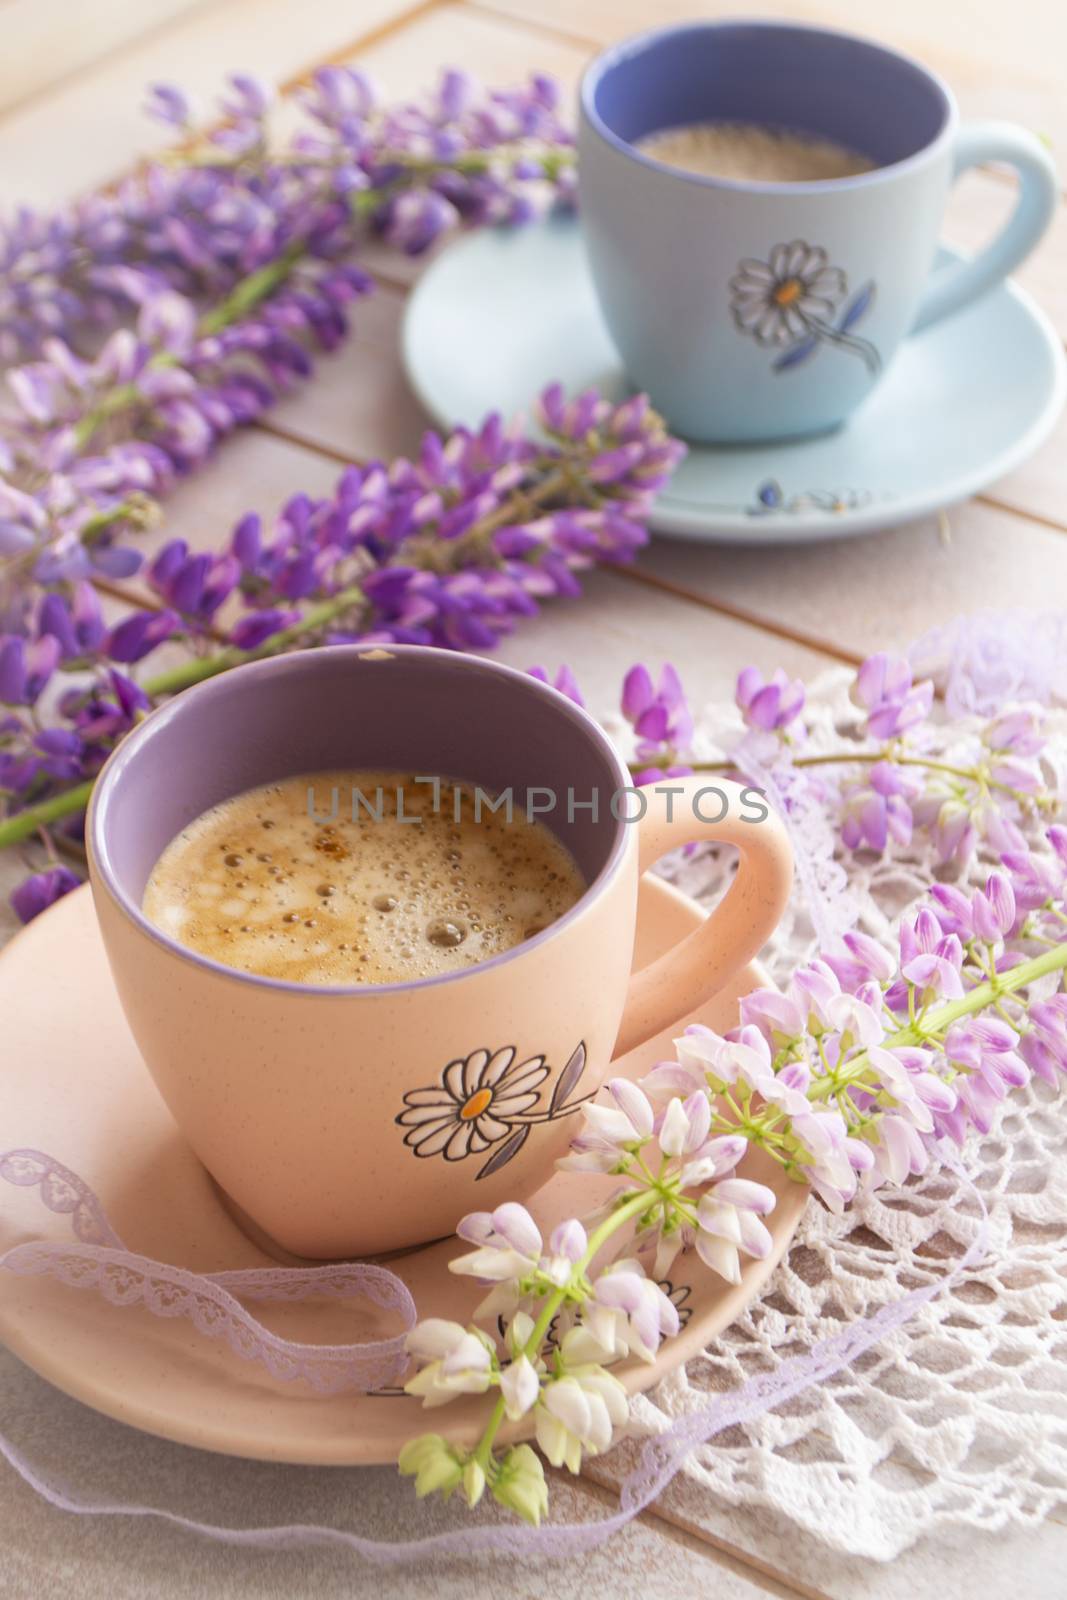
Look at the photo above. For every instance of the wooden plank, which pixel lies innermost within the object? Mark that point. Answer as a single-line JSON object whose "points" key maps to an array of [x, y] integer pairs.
{"points": [[616, 624], [454, 34], [879, 592], [46, 40], [1039, 487], [358, 405], [91, 129]]}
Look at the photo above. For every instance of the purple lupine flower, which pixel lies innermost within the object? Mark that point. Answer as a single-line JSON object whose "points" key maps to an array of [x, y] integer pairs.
{"points": [[685, 1127], [25, 668], [952, 908], [1044, 1043], [167, 104], [111, 708], [861, 960], [246, 541], [1035, 879], [247, 97], [416, 219], [42, 890], [935, 973], [993, 912], [564, 681], [953, 827], [256, 627], [900, 1152], [990, 1047], [659, 714], [62, 754], [566, 1246], [1057, 838], [729, 1221], [138, 635], [920, 936], [930, 960], [131, 700], [769, 704], [78, 625], [167, 321], [893, 703], [878, 810], [1019, 730], [340, 96], [629, 1313], [195, 585]]}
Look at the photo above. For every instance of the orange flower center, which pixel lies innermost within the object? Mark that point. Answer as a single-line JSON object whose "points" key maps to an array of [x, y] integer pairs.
{"points": [[476, 1105], [787, 291]]}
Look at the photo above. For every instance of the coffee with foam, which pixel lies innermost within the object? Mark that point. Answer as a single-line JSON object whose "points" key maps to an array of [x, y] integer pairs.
{"points": [[326, 879], [749, 152]]}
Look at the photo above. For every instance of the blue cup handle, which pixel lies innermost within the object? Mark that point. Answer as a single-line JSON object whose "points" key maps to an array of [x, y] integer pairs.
{"points": [[951, 288]]}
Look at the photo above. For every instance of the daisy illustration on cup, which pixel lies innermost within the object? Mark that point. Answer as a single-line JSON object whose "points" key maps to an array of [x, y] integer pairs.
{"points": [[487, 1098], [789, 302]]}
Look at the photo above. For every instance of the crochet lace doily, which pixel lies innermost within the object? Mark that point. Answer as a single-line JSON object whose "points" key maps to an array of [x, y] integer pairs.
{"points": [[961, 1415]]}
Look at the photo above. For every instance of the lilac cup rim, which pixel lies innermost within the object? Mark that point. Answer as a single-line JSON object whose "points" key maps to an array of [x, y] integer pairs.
{"points": [[103, 872], [623, 48]]}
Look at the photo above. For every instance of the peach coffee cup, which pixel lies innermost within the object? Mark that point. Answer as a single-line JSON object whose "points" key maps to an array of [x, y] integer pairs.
{"points": [[345, 1121]]}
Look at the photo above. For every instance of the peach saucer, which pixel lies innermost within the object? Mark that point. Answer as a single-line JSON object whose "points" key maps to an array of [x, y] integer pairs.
{"points": [[72, 1084]]}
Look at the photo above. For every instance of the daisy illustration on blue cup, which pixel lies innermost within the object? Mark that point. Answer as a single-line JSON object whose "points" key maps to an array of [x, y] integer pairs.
{"points": [[790, 302]]}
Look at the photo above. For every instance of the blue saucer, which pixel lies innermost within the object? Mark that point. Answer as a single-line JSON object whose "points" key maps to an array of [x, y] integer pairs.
{"points": [[504, 312]]}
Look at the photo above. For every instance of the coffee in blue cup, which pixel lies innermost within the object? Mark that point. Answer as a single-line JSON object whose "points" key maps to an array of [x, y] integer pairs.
{"points": [[753, 309]]}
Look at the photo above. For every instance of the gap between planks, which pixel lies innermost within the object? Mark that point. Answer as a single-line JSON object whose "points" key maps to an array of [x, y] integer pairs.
{"points": [[691, 1536]]}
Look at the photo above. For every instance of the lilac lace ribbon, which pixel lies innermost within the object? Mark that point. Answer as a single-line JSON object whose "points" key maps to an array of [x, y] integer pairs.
{"points": [[660, 1459], [99, 1260]]}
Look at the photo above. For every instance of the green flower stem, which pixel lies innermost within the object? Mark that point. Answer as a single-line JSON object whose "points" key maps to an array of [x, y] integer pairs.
{"points": [[869, 758], [26, 822], [247, 294], [243, 298], [476, 542], [933, 1024], [531, 1349]]}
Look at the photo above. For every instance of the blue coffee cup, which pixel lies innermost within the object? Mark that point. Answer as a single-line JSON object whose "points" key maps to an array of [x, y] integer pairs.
{"points": [[752, 310]]}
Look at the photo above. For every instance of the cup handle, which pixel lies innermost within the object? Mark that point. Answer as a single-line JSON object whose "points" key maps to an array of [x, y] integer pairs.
{"points": [[679, 812], [953, 287]]}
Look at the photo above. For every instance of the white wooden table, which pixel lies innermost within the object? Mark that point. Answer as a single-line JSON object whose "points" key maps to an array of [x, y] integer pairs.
{"points": [[70, 86]]}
